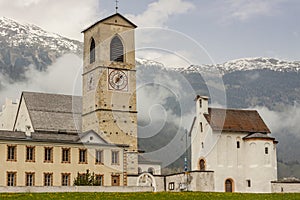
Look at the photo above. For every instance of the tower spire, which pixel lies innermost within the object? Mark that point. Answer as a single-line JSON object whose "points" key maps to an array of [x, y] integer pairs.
{"points": [[117, 7]]}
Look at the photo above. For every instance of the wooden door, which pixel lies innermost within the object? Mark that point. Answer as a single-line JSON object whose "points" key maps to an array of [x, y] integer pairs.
{"points": [[228, 185]]}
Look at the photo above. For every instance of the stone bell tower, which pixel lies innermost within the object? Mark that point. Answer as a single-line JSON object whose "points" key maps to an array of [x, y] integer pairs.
{"points": [[109, 84]]}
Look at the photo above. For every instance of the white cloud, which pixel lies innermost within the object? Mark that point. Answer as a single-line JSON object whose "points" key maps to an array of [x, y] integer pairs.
{"points": [[66, 17], [279, 122], [158, 13], [243, 10], [64, 77]]}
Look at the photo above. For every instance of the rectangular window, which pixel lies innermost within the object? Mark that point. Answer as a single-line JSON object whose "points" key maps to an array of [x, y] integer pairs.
{"points": [[200, 103], [11, 178], [238, 144], [266, 150], [48, 154], [48, 179], [66, 155], [29, 178], [12, 153], [65, 179], [115, 180], [83, 156], [171, 186], [99, 179], [99, 157], [30, 157], [249, 183], [201, 127], [115, 157]]}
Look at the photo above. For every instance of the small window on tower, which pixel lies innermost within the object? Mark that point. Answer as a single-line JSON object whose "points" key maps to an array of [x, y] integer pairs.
{"points": [[200, 103], [266, 150]]}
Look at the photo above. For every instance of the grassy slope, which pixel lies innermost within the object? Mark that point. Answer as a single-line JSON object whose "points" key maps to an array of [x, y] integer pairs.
{"points": [[145, 196]]}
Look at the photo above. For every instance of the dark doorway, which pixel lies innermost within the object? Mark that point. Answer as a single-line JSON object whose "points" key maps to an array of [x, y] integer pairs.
{"points": [[228, 185]]}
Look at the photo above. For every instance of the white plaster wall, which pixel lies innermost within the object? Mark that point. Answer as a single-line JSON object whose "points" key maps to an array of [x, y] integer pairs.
{"points": [[193, 181], [8, 115], [156, 167], [248, 162], [23, 119], [278, 187]]}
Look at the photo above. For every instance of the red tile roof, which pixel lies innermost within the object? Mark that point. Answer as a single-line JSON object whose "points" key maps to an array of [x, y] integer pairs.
{"points": [[236, 120]]}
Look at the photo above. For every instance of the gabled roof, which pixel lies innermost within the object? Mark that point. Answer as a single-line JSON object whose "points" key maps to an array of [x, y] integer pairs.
{"points": [[54, 112], [114, 15], [86, 137], [236, 120]]}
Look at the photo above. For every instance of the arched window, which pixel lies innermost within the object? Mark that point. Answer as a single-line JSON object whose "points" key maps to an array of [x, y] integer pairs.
{"points": [[202, 165], [116, 50], [92, 51], [228, 185], [150, 170]]}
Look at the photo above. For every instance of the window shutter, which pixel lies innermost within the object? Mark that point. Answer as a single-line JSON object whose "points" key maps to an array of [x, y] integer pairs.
{"points": [[116, 50]]}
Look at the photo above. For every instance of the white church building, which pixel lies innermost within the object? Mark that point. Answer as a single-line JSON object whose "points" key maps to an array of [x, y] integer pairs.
{"points": [[236, 145]]}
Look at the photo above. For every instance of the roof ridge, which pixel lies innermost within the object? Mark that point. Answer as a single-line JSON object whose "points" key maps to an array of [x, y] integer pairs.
{"points": [[232, 109], [28, 92]]}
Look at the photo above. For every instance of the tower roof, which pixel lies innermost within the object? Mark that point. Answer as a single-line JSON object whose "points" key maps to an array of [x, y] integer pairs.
{"points": [[109, 17]]}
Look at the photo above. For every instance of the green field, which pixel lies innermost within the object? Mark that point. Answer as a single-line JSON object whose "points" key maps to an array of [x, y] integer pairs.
{"points": [[145, 196]]}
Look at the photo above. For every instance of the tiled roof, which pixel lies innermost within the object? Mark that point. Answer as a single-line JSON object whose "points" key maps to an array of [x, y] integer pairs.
{"points": [[236, 120], [54, 112]]}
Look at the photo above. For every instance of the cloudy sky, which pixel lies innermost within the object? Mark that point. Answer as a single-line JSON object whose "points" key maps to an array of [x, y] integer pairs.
{"points": [[226, 29]]}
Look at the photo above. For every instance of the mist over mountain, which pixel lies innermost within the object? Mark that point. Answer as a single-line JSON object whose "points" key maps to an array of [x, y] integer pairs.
{"points": [[166, 95], [25, 45]]}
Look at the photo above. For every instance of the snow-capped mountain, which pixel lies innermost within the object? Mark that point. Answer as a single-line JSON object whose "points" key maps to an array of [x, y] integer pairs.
{"points": [[25, 45], [246, 64], [15, 34]]}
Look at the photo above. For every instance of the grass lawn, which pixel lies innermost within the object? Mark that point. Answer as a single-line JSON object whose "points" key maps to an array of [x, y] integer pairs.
{"points": [[145, 196]]}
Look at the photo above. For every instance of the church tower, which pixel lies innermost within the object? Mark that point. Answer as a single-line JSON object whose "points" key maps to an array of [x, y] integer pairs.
{"points": [[109, 84]]}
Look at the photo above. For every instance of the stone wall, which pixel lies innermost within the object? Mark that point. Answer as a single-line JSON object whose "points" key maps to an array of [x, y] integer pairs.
{"points": [[73, 189]]}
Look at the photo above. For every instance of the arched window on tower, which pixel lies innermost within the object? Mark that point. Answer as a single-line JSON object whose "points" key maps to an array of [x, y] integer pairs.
{"points": [[116, 50], [92, 51]]}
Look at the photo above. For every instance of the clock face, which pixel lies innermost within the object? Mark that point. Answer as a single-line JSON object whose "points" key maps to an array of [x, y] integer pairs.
{"points": [[118, 80]]}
